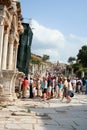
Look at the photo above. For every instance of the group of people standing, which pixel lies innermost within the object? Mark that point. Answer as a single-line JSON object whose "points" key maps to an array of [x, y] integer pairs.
{"points": [[51, 86]]}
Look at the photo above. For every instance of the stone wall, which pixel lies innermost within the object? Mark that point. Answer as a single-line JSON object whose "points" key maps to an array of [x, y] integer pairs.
{"points": [[10, 30]]}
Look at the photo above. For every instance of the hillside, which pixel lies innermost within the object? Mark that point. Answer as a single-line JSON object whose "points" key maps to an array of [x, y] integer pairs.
{"points": [[39, 58]]}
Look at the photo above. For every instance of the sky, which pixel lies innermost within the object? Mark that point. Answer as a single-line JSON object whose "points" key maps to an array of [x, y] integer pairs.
{"points": [[59, 27]]}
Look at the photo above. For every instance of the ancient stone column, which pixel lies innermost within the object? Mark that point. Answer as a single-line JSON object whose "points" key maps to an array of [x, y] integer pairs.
{"points": [[1, 38], [5, 48], [15, 55], [10, 53]]}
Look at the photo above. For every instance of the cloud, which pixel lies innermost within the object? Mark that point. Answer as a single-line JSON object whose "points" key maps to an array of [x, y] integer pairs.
{"points": [[47, 36], [53, 43], [82, 40], [54, 55]]}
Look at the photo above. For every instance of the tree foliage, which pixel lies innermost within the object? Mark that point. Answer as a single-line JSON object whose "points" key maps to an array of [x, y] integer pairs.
{"points": [[45, 57], [82, 56], [71, 60], [35, 61]]}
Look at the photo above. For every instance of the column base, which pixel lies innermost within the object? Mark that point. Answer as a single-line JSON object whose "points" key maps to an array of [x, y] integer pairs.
{"points": [[7, 86]]}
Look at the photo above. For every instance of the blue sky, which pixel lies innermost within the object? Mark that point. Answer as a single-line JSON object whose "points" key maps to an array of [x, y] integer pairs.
{"points": [[60, 26]]}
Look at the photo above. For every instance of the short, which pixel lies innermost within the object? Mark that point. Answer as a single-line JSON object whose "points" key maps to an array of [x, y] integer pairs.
{"points": [[45, 90], [49, 89]]}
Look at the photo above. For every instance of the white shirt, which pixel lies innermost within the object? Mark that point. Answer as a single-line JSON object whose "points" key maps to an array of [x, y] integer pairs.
{"points": [[70, 86]]}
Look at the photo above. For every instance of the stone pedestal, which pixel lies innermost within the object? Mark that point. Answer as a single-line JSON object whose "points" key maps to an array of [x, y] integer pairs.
{"points": [[7, 85]]}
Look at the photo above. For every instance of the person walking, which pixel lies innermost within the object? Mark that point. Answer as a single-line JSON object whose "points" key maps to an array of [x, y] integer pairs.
{"points": [[31, 89], [66, 90], [44, 88], [21, 79], [60, 86], [86, 86], [25, 87], [70, 92]]}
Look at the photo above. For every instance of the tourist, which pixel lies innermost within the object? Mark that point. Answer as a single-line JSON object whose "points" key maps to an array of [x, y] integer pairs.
{"points": [[44, 88], [21, 79], [78, 85], [49, 89], [30, 88], [60, 86], [34, 86], [25, 87], [86, 85], [66, 93], [39, 91], [73, 82], [70, 91]]}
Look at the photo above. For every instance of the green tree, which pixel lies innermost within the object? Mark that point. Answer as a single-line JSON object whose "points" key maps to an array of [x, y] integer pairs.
{"points": [[35, 61], [82, 56], [71, 60], [45, 57]]}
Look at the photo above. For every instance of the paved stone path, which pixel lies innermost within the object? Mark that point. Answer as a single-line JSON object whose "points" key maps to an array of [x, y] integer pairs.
{"points": [[36, 114]]}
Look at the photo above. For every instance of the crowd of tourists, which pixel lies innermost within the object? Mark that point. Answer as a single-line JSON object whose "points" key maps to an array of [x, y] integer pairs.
{"points": [[52, 86]]}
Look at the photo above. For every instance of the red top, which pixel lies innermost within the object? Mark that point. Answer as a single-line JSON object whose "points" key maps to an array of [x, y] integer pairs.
{"points": [[25, 83]]}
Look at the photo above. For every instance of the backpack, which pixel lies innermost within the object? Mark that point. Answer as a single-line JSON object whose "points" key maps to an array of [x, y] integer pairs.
{"points": [[71, 94]]}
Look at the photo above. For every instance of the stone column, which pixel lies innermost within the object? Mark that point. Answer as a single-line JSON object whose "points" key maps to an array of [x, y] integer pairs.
{"points": [[10, 53], [1, 42], [5, 48], [15, 55]]}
